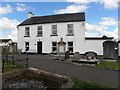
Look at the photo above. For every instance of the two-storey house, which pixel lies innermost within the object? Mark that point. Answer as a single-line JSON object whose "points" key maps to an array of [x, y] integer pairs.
{"points": [[42, 34]]}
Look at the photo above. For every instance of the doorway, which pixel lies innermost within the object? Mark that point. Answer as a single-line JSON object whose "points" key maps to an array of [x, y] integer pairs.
{"points": [[39, 47]]}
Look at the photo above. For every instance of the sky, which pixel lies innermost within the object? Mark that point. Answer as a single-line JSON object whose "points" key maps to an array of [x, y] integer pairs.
{"points": [[101, 15]]}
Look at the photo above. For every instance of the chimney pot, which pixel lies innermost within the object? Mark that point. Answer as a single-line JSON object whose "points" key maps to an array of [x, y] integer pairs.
{"points": [[30, 14]]}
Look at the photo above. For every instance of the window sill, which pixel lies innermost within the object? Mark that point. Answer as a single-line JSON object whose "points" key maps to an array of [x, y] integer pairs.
{"points": [[39, 35], [54, 35], [26, 36], [70, 34]]}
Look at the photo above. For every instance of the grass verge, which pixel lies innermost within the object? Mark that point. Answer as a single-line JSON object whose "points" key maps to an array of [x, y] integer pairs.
{"points": [[8, 66], [115, 65], [84, 85]]}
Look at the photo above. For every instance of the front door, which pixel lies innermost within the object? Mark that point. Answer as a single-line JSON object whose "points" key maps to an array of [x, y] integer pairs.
{"points": [[39, 47]]}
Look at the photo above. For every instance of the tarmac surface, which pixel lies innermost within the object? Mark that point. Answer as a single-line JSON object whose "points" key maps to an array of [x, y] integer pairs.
{"points": [[87, 73]]}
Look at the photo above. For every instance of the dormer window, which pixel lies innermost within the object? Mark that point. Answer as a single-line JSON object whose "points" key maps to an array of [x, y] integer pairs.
{"points": [[39, 31], [54, 30], [70, 30], [27, 31]]}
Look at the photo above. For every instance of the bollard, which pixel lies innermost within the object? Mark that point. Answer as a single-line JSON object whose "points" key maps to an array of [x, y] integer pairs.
{"points": [[26, 63]]}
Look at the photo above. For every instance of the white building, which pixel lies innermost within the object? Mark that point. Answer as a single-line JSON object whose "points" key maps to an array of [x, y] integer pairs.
{"points": [[12, 46], [5, 42], [42, 33]]}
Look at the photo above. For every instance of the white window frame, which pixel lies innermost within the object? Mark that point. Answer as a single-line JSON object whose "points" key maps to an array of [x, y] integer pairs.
{"points": [[70, 28], [39, 31], [54, 30], [70, 46], [27, 46], [54, 47], [27, 31]]}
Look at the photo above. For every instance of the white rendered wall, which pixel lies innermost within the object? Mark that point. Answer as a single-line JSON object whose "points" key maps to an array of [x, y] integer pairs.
{"points": [[78, 38], [94, 45]]}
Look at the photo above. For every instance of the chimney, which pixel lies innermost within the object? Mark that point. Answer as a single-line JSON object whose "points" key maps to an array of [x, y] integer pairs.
{"points": [[30, 14]]}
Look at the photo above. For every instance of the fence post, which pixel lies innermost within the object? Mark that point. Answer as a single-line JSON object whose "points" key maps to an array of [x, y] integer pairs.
{"points": [[13, 60], [26, 63], [3, 63], [6, 57]]}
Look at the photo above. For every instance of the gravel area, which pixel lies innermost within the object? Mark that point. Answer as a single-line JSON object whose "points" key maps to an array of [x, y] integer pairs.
{"points": [[24, 83]]}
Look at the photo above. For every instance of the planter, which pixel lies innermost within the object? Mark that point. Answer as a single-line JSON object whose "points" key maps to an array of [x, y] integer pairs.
{"points": [[35, 78]]}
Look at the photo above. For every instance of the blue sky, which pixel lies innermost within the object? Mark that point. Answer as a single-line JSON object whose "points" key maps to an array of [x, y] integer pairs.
{"points": [[101, 16]]}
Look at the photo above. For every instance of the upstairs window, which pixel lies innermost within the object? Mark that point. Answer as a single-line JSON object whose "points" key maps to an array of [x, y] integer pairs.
{"points": [[27, 31], [54, 47], [70, 47], [39, 31], [54, 30], [70, 29]]}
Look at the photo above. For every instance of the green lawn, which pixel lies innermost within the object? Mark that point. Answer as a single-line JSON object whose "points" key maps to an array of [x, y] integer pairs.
{"points": [[9, 66], [84, 85], [115, 65]]}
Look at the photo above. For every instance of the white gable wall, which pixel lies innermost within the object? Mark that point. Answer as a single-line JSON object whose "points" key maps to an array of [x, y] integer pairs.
{"points": [[94, 45]]}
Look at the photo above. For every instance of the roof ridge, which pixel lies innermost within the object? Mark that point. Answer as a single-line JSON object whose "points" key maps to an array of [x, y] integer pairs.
{"points": [[59, 14]]}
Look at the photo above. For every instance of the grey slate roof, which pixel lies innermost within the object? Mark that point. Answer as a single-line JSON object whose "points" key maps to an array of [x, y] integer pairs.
{"points": [[73, 17], [4, 40]]}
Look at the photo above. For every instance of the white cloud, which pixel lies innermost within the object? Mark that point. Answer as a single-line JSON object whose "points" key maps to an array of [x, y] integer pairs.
{"points": [[6, 23], [103, 28], [72, 9], [92, 27], [82, 1], [82, 5], [20, 4], [110, 4], [90, 34], [21, 7], [113, 33], [11, 25], [108, 21], [13, 35], [6, 9], [79, 1]]}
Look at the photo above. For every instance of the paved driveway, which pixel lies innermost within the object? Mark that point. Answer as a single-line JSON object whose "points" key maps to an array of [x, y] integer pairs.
{"points": [[100, 76]]}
